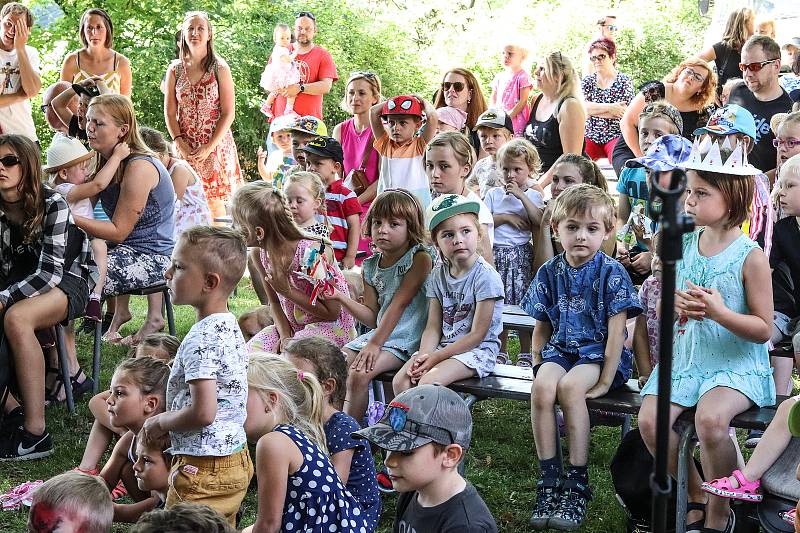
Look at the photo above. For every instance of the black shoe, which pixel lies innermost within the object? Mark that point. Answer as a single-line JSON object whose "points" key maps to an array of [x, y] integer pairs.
{"points": [[23, 446], [753, 438], [571, 510], [11, 420], [548, 492]]}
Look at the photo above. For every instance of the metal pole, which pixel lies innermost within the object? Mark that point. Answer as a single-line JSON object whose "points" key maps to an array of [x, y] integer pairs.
{"points": [[672, 227]]}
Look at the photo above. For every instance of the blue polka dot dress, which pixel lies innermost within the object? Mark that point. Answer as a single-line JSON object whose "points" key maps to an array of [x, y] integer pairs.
{"points": [[316, 500], [362, 482]]}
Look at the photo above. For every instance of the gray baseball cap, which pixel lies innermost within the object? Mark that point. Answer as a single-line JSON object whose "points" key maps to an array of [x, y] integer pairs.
{"points": [[422, 414]]}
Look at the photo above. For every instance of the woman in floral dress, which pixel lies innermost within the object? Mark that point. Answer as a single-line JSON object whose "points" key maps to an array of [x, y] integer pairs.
{"points": [[199, 111]]}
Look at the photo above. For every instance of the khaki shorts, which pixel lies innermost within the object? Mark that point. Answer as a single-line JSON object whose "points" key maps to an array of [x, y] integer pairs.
{"points": [[219, 482]]}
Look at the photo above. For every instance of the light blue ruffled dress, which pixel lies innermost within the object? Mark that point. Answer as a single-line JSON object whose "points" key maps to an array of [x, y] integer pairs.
{"points": [[706, 355]]}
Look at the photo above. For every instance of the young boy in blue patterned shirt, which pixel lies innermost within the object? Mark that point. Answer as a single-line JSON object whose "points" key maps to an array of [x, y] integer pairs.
{"points": [[207, 387], [580, 300]]}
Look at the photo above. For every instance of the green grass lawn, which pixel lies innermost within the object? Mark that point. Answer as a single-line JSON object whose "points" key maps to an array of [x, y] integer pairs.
{"points": [[501, 463]]}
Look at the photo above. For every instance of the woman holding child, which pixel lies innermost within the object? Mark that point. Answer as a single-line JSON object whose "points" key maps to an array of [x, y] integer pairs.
{"points": [[46, 274], [140, 203], [461, 90]]}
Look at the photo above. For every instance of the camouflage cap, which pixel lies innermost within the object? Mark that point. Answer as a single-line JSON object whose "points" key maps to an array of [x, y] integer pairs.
{"points": [[423, 414]]}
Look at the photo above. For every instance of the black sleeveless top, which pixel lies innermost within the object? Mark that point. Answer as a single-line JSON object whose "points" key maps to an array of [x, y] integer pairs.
{"points": [[544, 135], [726, 63]]}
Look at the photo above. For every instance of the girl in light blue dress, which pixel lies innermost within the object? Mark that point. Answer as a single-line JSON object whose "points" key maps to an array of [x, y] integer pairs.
{"points": [[394, 301], [723, 305]]}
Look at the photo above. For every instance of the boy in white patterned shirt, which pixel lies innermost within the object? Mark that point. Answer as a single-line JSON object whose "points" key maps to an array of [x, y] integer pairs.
{"points": [[207, 388]]}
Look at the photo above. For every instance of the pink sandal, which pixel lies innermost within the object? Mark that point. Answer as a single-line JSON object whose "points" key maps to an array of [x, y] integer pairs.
{"points": [[747, 490], [789, 516]]}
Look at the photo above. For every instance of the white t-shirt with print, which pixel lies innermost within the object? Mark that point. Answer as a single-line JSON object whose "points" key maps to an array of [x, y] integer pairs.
{"points": [[213, 349], [17, 117]]}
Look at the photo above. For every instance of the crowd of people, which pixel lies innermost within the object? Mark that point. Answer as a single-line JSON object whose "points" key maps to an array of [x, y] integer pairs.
{"points": [[391, 244]]}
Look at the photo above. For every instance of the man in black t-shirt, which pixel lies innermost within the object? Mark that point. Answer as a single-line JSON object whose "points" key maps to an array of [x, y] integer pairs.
{"points": [[425, 431], [762, 95]]}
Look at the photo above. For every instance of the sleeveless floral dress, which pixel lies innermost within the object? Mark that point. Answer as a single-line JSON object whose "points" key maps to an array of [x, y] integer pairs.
{"points": [[706, 355], [199, 110], [303, 323]]}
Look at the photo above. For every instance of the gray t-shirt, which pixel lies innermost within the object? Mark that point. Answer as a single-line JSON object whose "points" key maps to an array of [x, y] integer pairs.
{"points": [[458, 298]]}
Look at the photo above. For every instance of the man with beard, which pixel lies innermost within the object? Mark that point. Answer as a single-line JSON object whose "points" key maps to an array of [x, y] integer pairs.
{"points": [[317, 71]]}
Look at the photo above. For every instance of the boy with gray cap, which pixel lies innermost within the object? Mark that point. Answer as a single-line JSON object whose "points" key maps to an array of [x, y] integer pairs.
{"points": [[495, 129], [425, 431]]}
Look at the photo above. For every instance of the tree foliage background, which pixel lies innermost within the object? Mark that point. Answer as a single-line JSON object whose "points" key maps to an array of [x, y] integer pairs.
{"points": [[409, 43]]}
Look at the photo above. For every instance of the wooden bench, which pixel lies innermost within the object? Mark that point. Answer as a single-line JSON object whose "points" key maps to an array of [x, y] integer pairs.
{"points": [[514, 383], [514, 317]]}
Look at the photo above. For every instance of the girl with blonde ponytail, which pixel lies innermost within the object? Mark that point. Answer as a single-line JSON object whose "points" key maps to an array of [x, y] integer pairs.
{"points": [[298, 488]]}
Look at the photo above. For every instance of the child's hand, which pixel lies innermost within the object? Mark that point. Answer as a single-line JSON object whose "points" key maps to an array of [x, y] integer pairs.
{"points": [[513, 188], [348, 262], [422, 364], [153, 426], [641, 263], [710, 298], [687, 306], [365, 360], [599, 389], [261, 154], [518, 223], [121, 150]]}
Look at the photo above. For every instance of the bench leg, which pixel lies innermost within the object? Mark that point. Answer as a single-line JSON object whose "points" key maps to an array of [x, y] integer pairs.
{"points": [[98, 337], [61, 348], [685, 448], [170, 312], [626, 427]]}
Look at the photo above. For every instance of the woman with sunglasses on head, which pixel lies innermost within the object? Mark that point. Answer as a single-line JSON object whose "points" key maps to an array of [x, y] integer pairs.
{"points": [[690, 88], [361, 160], [726, 54], [557, 122], [46, 275], [606, 94], [97, 58], [460, 89]]}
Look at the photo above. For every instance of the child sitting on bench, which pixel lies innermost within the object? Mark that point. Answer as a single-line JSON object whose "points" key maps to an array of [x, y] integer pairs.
{"points": [[581, 300]]}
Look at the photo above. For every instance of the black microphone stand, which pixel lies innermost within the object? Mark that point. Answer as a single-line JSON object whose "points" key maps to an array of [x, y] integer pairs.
{"points": [[665, 201]]}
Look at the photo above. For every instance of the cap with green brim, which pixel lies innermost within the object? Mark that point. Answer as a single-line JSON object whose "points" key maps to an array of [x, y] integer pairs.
{"points": [[447, 206]]}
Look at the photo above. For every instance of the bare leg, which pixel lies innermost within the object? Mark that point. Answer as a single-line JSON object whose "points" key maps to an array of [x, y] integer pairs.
{"points": [[544, 392], [782, 374], [447, 372], [21, 320], [100, 252], [715, 410], [572, 389], [358, 382], [122, 314], [402, 381], [155, 319], [524, 342], [504, 341], [647, 427]]}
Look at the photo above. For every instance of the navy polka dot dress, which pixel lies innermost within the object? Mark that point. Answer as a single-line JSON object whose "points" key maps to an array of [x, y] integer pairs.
{"points": [[362, 482], [316, 500]]}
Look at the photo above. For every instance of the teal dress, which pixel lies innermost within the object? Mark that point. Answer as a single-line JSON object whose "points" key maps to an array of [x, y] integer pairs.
{"points": [[404, 339], [705, 354]]}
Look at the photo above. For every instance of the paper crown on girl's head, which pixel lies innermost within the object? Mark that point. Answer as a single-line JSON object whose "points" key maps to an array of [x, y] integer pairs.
{"points": [[723, 155]]}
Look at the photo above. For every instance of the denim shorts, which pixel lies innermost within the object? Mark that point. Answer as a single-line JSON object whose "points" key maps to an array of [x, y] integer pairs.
{"points": [[570, 361]]}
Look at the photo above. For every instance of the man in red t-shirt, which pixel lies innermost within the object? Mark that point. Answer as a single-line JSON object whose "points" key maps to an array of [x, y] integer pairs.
{"points": [[317, 71]]}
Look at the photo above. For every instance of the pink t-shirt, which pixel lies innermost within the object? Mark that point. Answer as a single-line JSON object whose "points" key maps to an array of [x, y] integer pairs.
{"points": [[313, 66], [508, 87]]}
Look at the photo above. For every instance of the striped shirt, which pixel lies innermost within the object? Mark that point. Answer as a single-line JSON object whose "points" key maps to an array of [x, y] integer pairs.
{"points": [[341, 203], [62, 248]]}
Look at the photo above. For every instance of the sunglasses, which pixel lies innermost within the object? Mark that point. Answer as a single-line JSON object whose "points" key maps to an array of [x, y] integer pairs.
{"points": [[308, 14], [611, 27], [788, 143], [44, 107], [757, 66], [458, 86], [9, 161], [363, 74], [597, 58]]}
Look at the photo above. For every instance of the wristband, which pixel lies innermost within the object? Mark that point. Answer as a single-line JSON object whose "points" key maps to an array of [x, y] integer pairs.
{"points": [[302, 88], [178, 137]]}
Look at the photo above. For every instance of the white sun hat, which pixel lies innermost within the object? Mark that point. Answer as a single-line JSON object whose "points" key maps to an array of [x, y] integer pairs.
{"points": [[64, 152]]}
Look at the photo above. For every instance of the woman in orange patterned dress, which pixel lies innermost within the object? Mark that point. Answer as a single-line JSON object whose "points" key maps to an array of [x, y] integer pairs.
{"points": [[199, 110]]}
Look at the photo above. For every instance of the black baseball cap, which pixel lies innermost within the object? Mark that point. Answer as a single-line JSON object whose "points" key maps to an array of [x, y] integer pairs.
{"points": [[326, 147]]}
